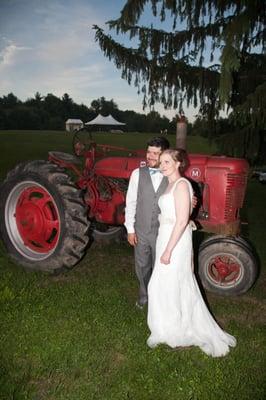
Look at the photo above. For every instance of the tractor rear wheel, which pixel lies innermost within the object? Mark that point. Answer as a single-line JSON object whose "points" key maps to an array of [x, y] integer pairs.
{"points": [[43, 217], [227, 265]]}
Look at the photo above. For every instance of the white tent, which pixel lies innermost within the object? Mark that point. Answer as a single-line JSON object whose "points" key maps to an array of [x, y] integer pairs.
{"points": [[101, 120]]}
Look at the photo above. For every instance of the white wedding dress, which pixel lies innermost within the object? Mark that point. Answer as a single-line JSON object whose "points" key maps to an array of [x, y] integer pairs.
{"points": [[177, 314]]}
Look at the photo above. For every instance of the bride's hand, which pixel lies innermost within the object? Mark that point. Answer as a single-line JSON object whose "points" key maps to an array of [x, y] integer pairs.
{"points": [[165, 257]]}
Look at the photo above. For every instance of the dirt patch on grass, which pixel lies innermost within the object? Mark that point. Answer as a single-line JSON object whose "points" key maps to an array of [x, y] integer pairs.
{"points": [[253, 313], [117, 359], [247, 310]]}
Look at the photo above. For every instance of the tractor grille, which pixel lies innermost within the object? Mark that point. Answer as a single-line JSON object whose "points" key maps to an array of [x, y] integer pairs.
{"points": [[235, 192]]}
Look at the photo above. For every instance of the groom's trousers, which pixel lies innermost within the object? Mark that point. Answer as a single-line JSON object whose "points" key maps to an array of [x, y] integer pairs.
{"points": [[144, 262]]}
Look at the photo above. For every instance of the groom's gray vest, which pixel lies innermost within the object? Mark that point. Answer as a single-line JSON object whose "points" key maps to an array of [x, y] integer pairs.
{"points": [[147, 209]]}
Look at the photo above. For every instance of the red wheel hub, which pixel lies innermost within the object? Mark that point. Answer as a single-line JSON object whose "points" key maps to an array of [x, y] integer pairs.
{"points": [[224, 270], [37, 219]]}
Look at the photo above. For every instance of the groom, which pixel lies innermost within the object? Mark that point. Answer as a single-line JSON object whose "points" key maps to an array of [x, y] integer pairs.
{"points": [[146, 184]]}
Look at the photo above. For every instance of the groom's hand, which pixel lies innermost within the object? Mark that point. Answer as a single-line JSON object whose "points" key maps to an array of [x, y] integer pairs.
{"points": [[132, 239], [194, 201]]}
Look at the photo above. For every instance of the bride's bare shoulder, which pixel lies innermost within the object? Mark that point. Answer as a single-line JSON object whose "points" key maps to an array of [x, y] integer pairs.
{"points": [[182, 184]]}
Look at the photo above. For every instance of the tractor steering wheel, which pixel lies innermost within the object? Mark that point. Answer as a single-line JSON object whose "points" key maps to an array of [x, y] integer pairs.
{"points": [[82, 142]]}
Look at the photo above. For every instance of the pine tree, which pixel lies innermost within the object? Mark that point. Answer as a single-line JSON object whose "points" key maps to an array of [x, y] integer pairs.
{"points": [[217, 58]]}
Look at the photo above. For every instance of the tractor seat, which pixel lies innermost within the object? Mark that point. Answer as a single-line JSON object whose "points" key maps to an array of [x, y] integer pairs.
{"points": [[65, 157]]}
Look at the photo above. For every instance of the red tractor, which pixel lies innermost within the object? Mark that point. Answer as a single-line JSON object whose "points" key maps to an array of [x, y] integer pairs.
{"points": [[50, 209]]}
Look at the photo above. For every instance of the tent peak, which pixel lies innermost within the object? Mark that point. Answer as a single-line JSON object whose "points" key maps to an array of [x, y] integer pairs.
{"points": [[101, 120]]}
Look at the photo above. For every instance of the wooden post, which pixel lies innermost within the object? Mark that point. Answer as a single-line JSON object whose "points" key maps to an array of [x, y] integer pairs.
{"points": [[181, 132]]}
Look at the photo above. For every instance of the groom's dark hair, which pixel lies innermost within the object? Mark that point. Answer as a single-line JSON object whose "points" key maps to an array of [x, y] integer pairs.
{"points": [[159, 141]]}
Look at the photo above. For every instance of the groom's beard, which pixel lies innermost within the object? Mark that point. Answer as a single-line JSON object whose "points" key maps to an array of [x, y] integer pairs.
{"points": [[153, 163]]}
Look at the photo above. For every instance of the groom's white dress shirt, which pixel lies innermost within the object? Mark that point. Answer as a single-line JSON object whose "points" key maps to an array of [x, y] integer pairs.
{"points": [[132, 193]]}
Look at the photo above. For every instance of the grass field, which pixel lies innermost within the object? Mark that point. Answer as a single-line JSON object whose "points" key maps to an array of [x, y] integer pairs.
{"points": [[78, 336]]}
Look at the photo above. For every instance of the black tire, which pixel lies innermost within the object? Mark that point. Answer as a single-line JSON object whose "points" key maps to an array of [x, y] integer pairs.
{"points": [[44, 223], [227, 265], [103, 233]]}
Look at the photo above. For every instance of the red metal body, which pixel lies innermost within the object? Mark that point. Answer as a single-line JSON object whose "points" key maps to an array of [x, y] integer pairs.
{"points": [[221, 180]]}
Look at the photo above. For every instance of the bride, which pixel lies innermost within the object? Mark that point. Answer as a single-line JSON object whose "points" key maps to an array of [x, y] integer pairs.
{"points": [[177, 314]]}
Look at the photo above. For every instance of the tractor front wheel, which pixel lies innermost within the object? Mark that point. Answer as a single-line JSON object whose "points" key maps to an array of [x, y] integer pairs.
{"points": [[107, 233], [43, 217], [227, 265]]}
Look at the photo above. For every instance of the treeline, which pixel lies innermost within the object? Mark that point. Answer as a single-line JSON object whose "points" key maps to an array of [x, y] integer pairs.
{"points": [[51, 112]]}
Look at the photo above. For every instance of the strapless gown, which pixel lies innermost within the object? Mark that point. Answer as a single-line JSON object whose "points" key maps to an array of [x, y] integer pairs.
{"points": [[177, 313]]}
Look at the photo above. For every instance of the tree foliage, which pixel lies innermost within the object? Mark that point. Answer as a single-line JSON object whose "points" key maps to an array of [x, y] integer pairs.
{"points": [[170, 66], [103, 106], [213, 55]]}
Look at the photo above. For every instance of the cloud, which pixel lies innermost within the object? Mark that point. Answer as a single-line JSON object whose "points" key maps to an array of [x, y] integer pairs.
{"points": [[11, 54]]}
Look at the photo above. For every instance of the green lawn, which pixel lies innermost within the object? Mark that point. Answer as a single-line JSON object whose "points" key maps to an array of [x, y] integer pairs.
{"points": [[78, 336]]}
